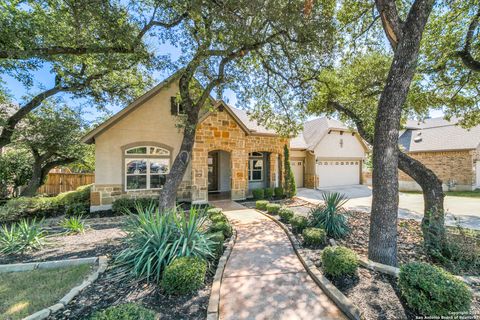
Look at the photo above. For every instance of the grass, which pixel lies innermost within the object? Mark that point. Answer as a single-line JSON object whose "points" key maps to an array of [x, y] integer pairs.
{"points": [[24, 293], [468, 194]]}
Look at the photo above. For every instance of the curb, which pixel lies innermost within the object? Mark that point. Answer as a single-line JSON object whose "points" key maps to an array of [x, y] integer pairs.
{"points": [[213, 310], [348, 308], [20, 267], [102, 266]]}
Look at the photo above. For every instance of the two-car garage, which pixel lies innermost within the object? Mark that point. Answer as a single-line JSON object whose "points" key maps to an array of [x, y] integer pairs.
{"points": [[337, 172]]}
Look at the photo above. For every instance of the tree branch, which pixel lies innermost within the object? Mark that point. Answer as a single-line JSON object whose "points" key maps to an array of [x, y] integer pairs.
{"points": [[392, 24], [465, 54]]}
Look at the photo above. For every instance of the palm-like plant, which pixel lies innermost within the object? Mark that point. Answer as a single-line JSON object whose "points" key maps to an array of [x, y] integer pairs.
{"points": [[154, 239], [21, 237], [330, 215], [74, 224]]}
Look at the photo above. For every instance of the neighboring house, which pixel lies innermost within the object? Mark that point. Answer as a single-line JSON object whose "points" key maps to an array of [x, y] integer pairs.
{"points": [[135, 149], [327, 154], [451, 151]]}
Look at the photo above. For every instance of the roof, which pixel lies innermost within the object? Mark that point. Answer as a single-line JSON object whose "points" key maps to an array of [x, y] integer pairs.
{"points": [[438, 134], [314, 131], [252, 125]]}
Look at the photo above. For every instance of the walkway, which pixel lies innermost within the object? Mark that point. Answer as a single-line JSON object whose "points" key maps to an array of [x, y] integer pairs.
{"points": [[263, 278]]}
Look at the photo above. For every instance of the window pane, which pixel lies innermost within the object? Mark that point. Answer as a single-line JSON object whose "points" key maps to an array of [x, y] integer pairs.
{"points": [[159, 151], [157, 181], [139, 150], [257, 164], [136, 166], [257, 175], [159, 165], [136, 182]]}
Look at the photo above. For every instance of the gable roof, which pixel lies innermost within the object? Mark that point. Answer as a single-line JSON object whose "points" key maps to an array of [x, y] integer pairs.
{"points": [[438, 134], [252, 125], [314, 131]]}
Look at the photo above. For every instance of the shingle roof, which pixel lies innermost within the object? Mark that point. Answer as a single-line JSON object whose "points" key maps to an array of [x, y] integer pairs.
{"points": [[314, 131], [437, 134], [252, 125]]}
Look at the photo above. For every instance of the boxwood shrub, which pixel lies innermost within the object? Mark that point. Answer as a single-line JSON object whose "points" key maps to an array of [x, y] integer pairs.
{"points": [[278, 191], [285, 214], [273, 208], [214, 211], [184, 275], [219, 217], [218, 238], [433, 291], [261, 204], [298, 223], [268, 192], [339, 261], [314, 237], [126, 311], [222, 226], [258, 194]]}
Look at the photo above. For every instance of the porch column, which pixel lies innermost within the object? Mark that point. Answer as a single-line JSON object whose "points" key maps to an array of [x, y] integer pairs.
{"points": [[239, 160], [273, 160], [199, 174]]}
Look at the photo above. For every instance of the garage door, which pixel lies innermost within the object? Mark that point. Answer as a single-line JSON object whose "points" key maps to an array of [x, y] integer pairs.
{"points": [[297, 168], [338, 173]]}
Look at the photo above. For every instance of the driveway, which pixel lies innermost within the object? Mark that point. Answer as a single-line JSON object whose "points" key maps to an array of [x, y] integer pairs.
{"points": [[466, 210]]}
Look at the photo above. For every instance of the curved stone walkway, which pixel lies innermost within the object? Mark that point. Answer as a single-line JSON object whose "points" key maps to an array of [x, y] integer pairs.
{"points": [[263, 278]]}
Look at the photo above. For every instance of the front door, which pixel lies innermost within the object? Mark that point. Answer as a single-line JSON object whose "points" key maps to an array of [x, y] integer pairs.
{"points": [[213, 171]]}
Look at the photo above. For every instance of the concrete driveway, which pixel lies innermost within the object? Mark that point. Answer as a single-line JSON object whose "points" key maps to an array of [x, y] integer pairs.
{"points": [[467, 210]]}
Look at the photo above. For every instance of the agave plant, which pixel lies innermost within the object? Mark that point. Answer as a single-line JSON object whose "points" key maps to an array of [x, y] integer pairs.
{"points": [[330, 215], [22, 236], [154, 239], [74, 224]]}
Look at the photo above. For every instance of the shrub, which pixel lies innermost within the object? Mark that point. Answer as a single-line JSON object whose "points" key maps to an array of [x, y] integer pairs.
{"points": [[223, 227], [126, 205], [73, 224], [314, 236], [218, 218], [298, 223], [339, 261], [290, 186], [433, 291], [20, 237], [278, 192], [268, 192], [77, 209], [330, 215], [273, 208], [218, 239], [462, 251], [261, 204], [80, 195], [154, 239], [126, 311], [285, 214], [184, 275], [258, 194], [214, 211]]}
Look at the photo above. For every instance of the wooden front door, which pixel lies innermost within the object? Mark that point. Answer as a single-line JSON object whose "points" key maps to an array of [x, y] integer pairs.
{"points": [[213, 171]]}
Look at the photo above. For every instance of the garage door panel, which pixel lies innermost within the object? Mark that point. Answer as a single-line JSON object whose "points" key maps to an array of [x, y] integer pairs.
{"points": [[338, 173]]}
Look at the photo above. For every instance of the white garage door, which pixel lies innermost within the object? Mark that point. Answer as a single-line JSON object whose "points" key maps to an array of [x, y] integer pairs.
{"points": [[338, 173], [297, 168]]}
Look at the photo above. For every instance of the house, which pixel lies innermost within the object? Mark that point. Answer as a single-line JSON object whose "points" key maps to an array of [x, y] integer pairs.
{"points": [[451, 151], [327, 154], [136, 147]]}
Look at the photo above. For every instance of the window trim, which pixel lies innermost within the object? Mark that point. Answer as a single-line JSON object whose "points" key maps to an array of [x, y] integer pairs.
{"points": [[250, 169]]}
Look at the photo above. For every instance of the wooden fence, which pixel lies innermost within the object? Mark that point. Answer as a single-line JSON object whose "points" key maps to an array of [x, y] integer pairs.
{"points": [[61, 182]]}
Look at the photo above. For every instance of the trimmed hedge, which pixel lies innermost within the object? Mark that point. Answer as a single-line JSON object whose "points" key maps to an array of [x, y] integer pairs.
{"points": [[261, 204], [129, 205], [268, 192], [339, 261], [433, 291], [298, 223], [184, 275], [285, 214], [279, 193], [214, 211], [218, 238], [314, 237], [222, 226], [126, 311], [258, 194], [219, 217], [273, 208]]}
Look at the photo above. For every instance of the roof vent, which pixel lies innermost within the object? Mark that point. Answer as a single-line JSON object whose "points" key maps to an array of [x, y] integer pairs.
{"points": [[418, 138]]}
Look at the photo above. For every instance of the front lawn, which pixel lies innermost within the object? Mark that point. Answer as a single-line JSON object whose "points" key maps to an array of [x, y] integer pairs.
{"points": [[24, 293]]}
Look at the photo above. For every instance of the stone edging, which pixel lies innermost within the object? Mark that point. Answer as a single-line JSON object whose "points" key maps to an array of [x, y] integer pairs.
{"points": [[213, 310], [44, 313], [350, 310]]}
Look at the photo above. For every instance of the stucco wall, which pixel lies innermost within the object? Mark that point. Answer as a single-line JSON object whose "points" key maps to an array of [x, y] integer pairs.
{"points": [[331, 148]]}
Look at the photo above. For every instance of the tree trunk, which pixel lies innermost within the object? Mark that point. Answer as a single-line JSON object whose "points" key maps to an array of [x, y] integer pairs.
{"points": [[382, 246], [36, 180]]}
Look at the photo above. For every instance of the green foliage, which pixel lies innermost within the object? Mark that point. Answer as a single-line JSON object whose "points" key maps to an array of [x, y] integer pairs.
{"points": [[77, 209], [290, 185], [285, 214], [126, 311], [218, 238], [273, 208], [339, 261], [330, 215], [298, 223], [222, 226], [15, 170], [268, 192], [154, 239], [433, 291], [278, 191], [462, 254], [314, 237], [184, 275], [21, 237], [73, 224], [214, 211], [261, 204], [258, 194], [219, 217], [128, 205]]}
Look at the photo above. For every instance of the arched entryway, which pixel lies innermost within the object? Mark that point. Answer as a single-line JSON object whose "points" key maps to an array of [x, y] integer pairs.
{"points": [[219, 175]]}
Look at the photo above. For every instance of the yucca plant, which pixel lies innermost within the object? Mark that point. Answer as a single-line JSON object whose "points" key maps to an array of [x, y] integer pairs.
{"points": [[330, 215], [74, 224], [154, 239], [22, 236]]}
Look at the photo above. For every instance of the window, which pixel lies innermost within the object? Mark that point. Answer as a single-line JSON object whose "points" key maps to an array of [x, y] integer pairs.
{"points": [[255, 166], [146, 173], [152, 151]]}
